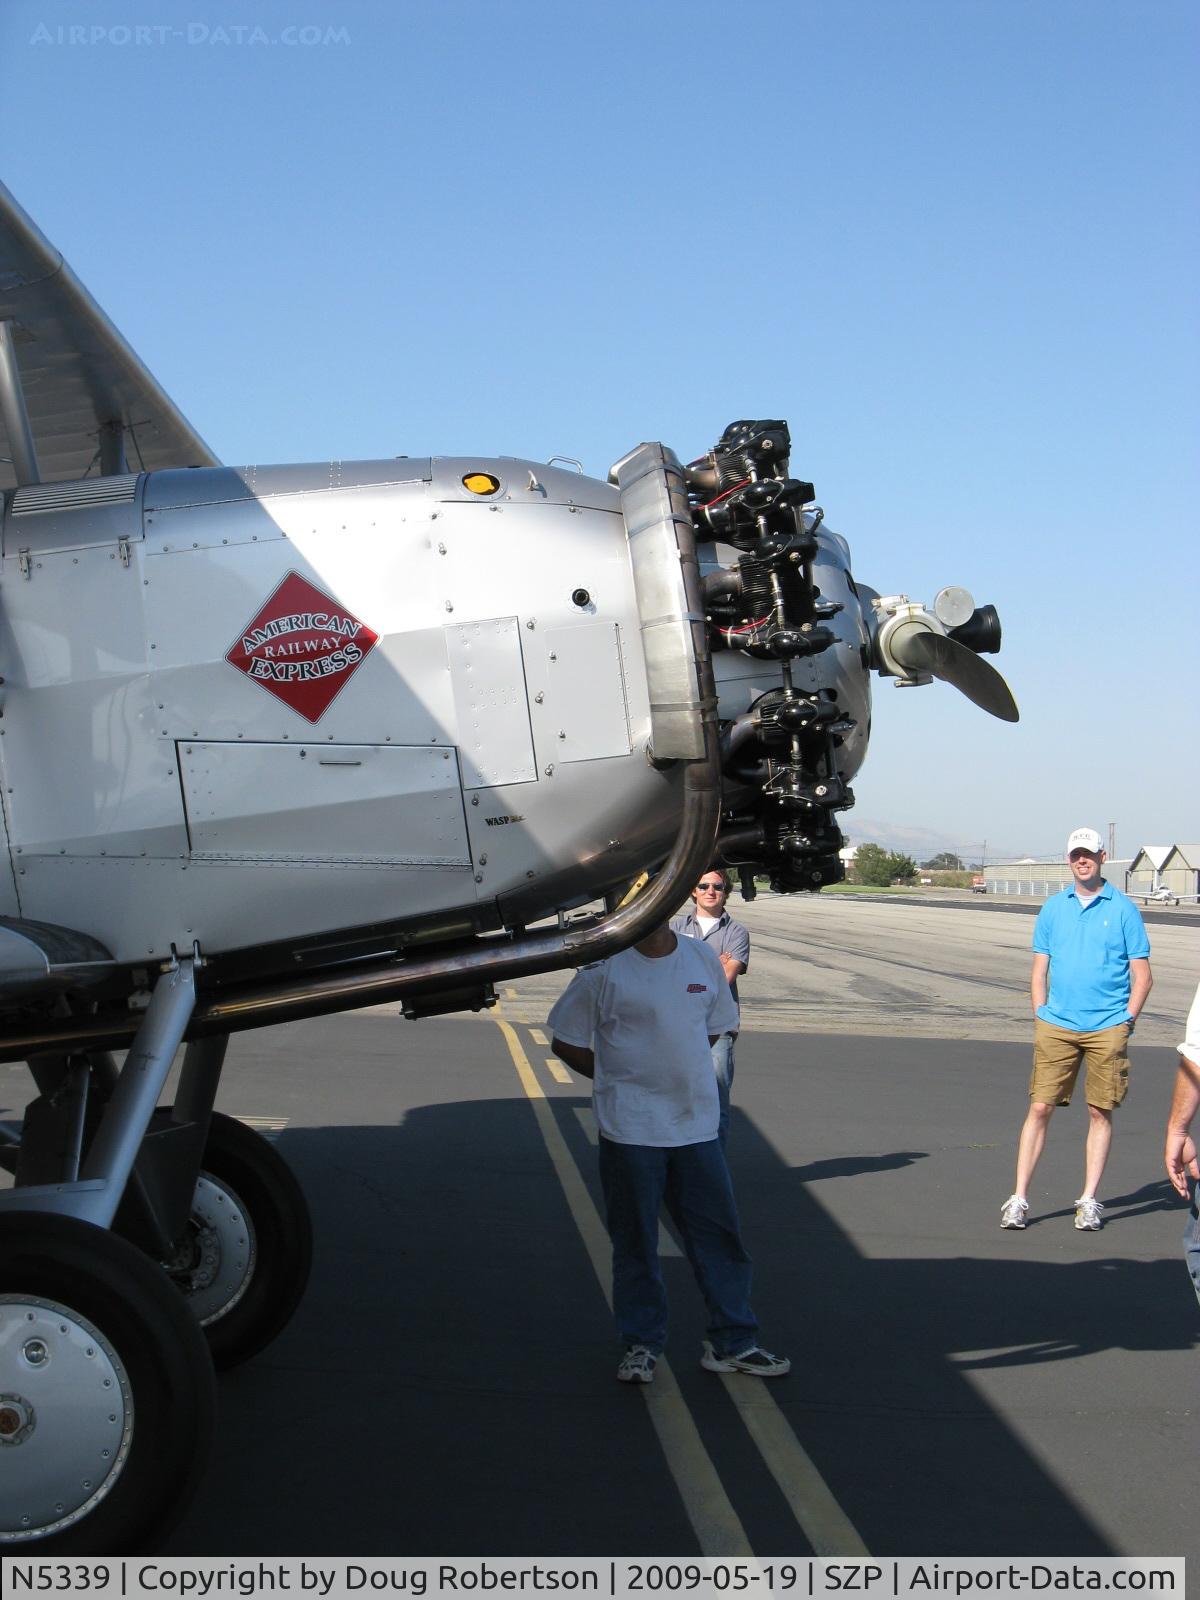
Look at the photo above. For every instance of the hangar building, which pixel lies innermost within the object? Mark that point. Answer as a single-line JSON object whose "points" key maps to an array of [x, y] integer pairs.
{"points": [[1175, 867], [1042, 876], [1165, 866]]}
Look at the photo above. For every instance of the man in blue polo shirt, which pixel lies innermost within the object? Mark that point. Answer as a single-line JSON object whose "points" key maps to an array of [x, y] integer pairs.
{"points": [[1091, 977]]}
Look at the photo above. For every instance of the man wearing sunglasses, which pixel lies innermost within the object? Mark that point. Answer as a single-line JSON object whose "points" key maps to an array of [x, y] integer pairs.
{"points": [[708, 920]]}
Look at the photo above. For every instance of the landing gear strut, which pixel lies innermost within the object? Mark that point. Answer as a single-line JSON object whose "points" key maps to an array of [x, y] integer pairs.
{"points": [[138, 1246]]}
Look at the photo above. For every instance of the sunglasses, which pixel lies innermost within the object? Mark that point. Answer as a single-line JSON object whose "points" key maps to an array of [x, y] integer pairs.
{"points": [[713, 888]]}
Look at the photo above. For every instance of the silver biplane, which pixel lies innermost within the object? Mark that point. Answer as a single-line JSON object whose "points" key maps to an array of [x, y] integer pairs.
{"points": [[284, 740]]}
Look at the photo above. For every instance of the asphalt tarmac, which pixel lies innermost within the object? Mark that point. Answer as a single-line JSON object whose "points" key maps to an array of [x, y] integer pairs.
{"points": [[935, 966], [447, 1386]]}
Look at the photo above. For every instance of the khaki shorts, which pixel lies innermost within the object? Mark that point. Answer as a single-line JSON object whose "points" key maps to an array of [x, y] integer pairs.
{"points": [[1058, 1054]]}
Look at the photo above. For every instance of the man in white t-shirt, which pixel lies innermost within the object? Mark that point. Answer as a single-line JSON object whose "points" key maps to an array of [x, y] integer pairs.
{"points": [[641, 1026]]}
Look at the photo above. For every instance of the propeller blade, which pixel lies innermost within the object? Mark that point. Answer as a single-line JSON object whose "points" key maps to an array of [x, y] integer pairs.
{"points": [[953, 663]]}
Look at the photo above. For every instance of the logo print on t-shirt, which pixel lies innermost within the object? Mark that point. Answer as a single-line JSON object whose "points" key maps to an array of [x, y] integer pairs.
{"points": [[697, 988]]}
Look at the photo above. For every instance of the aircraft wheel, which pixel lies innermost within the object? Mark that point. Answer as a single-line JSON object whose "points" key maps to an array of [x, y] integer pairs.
{"points": [[106, 1391], [245, 1263]]}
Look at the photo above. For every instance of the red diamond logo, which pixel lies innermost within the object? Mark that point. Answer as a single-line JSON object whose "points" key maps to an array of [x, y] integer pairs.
{"points": [[303, 647]]}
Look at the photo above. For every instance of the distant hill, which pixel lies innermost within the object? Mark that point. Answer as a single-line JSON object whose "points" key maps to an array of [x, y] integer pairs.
{"points": [[922, 844]]}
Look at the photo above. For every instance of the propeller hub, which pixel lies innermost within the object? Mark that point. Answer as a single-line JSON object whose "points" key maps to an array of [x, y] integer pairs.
{"points": [[914, 646], [903, 623]]}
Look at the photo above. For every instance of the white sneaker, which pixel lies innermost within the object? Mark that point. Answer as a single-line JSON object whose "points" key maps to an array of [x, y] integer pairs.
{"points": [[759, 1363], [637, 1365], [1012, 1212], [1089, 1214]]}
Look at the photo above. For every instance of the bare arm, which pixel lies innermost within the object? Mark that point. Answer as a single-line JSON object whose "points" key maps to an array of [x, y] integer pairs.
{"points": [[1180, 1152], [1141, 982], [1037, 986], [577, 1057], [733, 967]]}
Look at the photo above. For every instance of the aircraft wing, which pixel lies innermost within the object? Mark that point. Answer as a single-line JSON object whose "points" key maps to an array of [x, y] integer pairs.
{"points": [[83, 386], [39, 960]]}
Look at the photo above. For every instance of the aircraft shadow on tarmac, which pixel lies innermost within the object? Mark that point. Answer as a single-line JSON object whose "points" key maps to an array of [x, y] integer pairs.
{"points": [[1027, 1312], [447, 1385], [857, 1166]]}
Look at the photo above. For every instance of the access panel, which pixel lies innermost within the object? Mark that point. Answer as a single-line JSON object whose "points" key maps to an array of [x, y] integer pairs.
{"points": [[397, 805]]}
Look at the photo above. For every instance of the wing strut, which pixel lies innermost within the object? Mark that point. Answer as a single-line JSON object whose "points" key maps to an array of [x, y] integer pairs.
{"points": [[113, 462], [13, 411]]}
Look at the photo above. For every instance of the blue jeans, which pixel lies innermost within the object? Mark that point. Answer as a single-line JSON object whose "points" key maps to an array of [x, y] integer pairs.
{"points": [[692, 1181], [722, 1059], [1191, 1240]]}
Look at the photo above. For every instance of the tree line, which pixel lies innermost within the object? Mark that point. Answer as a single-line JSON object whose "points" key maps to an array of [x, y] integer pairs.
{"points": [[876, 867]]}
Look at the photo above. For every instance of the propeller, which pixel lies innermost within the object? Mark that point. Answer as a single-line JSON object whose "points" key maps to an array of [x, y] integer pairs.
{"points": [[938, 656]]}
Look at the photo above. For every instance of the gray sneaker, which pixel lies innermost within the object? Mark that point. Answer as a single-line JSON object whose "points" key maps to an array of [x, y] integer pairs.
{"points": [[1012, 1212], [637, 1365], [757, 1362], [1089, 1214]]}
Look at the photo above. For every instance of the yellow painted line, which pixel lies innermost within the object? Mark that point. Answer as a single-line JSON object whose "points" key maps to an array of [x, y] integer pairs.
{"points": [[826, 1526], [510, 994], [717, 1526], [556, 1070], [268, 1127], [538, 1037]]}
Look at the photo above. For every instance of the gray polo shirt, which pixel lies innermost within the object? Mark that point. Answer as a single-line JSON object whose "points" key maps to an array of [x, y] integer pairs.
{"points": [[727, 938]]}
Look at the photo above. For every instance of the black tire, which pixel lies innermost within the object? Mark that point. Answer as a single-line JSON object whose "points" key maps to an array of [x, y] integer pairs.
{"points": [[259, 1183], [158, 1394]]}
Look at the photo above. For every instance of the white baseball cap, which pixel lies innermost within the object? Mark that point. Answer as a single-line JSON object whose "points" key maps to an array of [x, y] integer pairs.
{"points": [[1085, 839]]}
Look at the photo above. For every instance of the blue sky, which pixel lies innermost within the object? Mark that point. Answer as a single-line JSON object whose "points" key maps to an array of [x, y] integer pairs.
{"points": [[954, 242]]}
